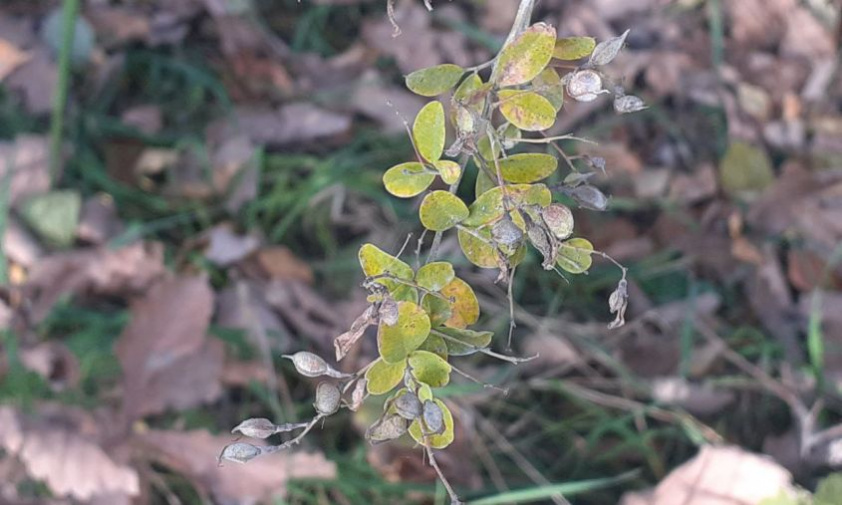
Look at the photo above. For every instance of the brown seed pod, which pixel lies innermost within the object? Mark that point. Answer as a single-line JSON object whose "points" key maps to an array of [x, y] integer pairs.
{"points": [[310, 365], [328, 397], [559, 220], [585, 85], [408, 406], [433, 418], [239, 452], [385, 429]]}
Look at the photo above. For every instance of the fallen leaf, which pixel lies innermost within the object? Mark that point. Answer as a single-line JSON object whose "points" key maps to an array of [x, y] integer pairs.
{"points": [[99, 222], [148, 119], [27, 158], [60, 445], [279, 263], [35, 81], [242, 305], [10, 58], [19, 245], [226, 247], [167, 358], [194, 454], [117, 26], [54, 215], [53, 361], [292, 123], [725, 475]]}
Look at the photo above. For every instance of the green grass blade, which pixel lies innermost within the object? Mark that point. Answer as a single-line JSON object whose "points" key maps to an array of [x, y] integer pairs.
{"points": [[543, 492]]}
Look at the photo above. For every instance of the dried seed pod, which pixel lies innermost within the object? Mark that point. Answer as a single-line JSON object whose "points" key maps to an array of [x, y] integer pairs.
{"points": [[506, 233], [433, 418], [626, 104], [542, 241], [617, 302], [388, 311], [328, 398], [559, 220], [607, 50], [256, 428], [358, 394], [385, 429], [408, 406], [589, 197], [585, 85], [310, 365], [240, 452]]}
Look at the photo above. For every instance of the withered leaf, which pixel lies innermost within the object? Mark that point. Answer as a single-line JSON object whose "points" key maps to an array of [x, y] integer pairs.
{"points": [[346, 341]]}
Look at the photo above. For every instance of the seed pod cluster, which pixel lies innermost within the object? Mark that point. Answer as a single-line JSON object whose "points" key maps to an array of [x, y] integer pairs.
{"points": [[408, 406], [506, 233], [328, 398], [433, 418]]}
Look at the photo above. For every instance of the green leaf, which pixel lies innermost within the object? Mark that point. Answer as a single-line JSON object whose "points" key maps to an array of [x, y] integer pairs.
{"points": [[434, 441], [434, 81], [375, 261], [471, 92], [481, 254], [54, 215], [464, 306], [527, 110], [434, 276], [450, 171], [435, 344], [829, 490], [528, 167], [463, 342], [574, 255], [429, 368], [428, 131], [437, 309], [573, 48], [395, 342], [745, 169], [527, 55], [548, 84], [382, 377], [407, 179], [441, 210], [484, 183], [489, 206]]}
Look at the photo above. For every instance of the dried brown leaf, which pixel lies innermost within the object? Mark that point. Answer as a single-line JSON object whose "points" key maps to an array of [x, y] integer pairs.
{"points": [[226, 247], [27, 160], [346, 341], [11, 57]]}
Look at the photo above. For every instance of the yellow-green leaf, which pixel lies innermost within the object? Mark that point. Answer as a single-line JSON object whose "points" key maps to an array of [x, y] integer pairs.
{"points": [[441, 210], [434, 81], [573, 48], [396, 341], [428, 131], [450, 171], [527, 110], [480, 253], [745, 169], [527, 55], [437, 309], [407, 179], [374, 261], [548, 84], [54, 215], [429, 368], [462, 342], [464, 307], [528, 167], [382, 377], [489, 206], [436, 345], [574, 255], [483, 184], [434, 276], [434, 441]]}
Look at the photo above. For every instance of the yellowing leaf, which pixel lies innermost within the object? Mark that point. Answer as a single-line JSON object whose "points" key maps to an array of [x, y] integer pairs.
{"points": [[464, 307], [483, 184], [745, 168], [489, 206], [478, 252], [374, 261], [432, 440], [548, 84], [382, 377], [441, 210], [527, 55], [573, 48], [527, 110], [574, 255], [437, 309], [434, 344], [450, 171], [434, 276], [429, 368], [396, 341], [428, 131], [528, 167], [407, 179], [462, 342], [434, 81]]}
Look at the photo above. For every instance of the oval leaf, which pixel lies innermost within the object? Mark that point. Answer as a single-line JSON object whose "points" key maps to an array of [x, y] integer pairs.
{"points": [[441, 210], [375, 261], [574, 256], [396, 341], [434, 276], [428, 131], [450, 171], [573, 48], [464, 306], [489, 206], [548, 84], [526, 56], [382, 377], [436, 345], [429, 368], [407, 179], [434, 441], [434, 81], [528, 167], [462, 342], [527, 110]]}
